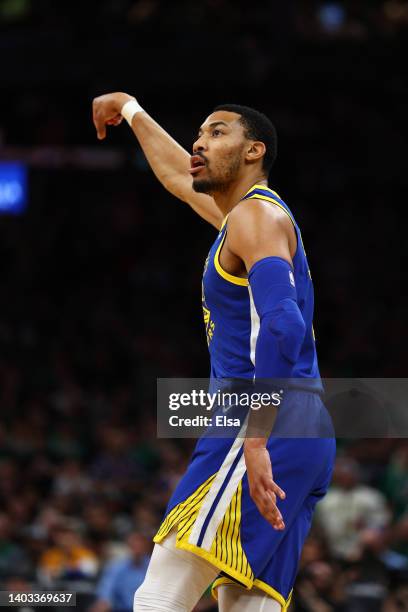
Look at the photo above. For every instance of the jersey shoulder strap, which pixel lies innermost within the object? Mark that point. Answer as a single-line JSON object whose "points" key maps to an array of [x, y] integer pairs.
{"points": [[262, 192]]}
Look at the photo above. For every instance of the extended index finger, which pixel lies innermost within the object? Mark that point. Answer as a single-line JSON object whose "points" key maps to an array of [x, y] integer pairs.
{"points": [[98, 121]]}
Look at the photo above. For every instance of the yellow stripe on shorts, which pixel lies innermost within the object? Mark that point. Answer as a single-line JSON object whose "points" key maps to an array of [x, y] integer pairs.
{"points": [[227, 546], [185, 513]]}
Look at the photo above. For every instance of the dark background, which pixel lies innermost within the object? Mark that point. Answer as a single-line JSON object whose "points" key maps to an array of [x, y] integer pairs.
{"points": [[100, 277]]}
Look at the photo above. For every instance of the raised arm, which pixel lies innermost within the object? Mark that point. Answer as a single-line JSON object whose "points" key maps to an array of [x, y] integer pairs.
{"points": [[168, 160]]}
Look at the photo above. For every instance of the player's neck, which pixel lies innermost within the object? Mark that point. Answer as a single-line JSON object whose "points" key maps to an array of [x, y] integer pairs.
{"points": [[228, 199]]}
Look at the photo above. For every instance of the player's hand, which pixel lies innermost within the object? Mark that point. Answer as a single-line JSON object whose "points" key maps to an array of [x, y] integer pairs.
{"points": [[264, 491], [106, 111]]}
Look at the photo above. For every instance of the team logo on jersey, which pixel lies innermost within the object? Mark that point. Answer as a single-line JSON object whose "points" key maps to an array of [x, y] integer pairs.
{"points": [[209, 325], [291, 278], [208, 322]]}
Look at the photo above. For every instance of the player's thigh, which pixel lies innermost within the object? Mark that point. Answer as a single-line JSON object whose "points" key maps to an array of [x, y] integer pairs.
{"points": [[233, 598], [175, 580]]}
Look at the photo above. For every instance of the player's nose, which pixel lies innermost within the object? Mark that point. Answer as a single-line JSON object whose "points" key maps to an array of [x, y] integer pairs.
{"points": [[199, 145]]}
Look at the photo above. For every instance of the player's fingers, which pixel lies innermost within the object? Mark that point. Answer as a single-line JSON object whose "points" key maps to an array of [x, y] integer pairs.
{"points": [[276, 522], [277, 490], [271, 485], [115, 120], [265, 502], [273, 518], [99, 125], [98, 119], [101, 133], [260, 496], [273, 511]]}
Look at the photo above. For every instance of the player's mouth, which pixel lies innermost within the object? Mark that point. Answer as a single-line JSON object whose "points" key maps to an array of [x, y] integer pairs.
{"points": [[197, 164]]}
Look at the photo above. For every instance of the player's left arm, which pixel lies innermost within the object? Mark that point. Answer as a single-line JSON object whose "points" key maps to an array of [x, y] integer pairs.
{"points": [[263, 237]]}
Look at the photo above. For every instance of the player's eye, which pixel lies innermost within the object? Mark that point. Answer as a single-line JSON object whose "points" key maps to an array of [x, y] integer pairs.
{"points": [[216, 132]]}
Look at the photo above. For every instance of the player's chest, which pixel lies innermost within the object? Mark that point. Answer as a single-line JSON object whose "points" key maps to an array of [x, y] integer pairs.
{"points": [[220, 286], [224, 259]]}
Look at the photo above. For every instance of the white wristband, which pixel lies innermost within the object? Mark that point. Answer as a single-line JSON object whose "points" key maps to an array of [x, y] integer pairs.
{"points": [[129, 110]]}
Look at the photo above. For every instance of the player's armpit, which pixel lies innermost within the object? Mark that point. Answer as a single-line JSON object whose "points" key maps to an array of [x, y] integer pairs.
{"points": [[257, 230]]}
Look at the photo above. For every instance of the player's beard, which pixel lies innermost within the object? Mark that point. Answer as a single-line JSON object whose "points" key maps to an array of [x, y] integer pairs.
{"points": [[219, 184]]}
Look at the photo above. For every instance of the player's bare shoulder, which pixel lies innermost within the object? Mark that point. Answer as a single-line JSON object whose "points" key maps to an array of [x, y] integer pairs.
{"points": [[256, 226], [258, 214]]}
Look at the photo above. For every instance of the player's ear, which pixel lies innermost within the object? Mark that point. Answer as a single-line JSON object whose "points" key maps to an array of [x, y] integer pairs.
{"points": [[255, 151]]}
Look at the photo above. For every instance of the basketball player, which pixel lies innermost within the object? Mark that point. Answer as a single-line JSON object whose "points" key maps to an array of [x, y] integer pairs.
{"points": [[231, 521]]}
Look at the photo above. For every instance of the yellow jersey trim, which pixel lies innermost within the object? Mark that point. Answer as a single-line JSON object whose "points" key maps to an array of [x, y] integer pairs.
{"points": [[256, 196], [265, 188], [236, 280], [262, 586], [218, 582], [285, 603]]}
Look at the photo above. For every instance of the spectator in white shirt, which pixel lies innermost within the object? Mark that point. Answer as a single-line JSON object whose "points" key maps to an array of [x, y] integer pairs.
{"points": [[350, 510]]}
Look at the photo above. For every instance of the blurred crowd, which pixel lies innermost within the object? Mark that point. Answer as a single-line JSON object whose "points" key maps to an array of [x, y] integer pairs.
{"points": [[100, 277], [80, 506]]}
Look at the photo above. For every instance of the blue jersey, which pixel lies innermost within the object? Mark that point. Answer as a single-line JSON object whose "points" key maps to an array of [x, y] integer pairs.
{"points": [[230, 317], [211, 509]]}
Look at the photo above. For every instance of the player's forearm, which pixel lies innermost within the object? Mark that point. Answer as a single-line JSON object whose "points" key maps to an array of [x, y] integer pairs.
{"points": [[260, 425], [253, 444], [168, 160]]}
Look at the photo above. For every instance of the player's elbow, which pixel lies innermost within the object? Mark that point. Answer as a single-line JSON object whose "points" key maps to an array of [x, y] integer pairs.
{"points": [[287, 325]]}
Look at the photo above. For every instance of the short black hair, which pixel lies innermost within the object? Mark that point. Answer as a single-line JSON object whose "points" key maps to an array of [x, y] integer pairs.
{"points": [[257, 126]]}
